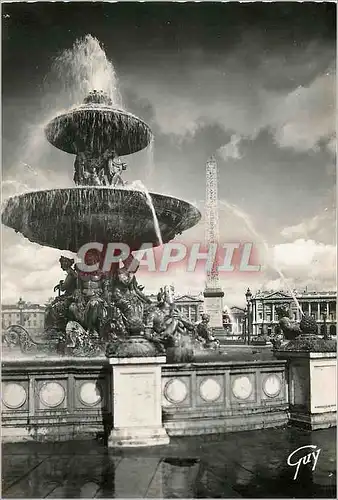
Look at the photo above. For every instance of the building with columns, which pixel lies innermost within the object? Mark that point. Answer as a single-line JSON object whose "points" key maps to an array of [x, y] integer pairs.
{"points": [[30, 316], [320, 305], [190, 306]]}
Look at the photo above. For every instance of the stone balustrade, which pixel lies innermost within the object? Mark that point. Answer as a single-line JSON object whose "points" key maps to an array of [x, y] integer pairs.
{"points": [[55, 397], [221, 397], [63, 398]]}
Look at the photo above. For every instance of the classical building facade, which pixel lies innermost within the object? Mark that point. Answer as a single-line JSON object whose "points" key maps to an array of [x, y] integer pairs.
{"points": [[30, 316], [191, 306], [320, 305]]}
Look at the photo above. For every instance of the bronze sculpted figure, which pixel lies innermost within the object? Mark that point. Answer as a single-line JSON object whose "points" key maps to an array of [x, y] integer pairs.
{"points": [[115, 166], [90, 305], [94, 308], [57, 312], [163, 319], [203, 331], [98, 169], [97, 307], [290, 328]]}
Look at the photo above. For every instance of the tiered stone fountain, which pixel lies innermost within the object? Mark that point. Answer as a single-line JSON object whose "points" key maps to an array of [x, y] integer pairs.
{"points": [[105, 311], [94, 309]]}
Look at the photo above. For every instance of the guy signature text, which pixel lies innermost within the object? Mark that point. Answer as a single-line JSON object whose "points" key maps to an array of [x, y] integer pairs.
{"points": [[300, 457]]}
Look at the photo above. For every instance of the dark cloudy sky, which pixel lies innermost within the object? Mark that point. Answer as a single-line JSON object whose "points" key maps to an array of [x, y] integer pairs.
{"points": [[253, 84]]}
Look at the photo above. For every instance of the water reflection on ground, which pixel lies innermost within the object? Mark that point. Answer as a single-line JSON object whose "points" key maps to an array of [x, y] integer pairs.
{"points": [[247, 464]]}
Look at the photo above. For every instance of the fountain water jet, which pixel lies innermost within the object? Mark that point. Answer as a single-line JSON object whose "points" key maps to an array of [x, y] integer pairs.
{"points": [[85, 67], [138, 184], [234, 326]]}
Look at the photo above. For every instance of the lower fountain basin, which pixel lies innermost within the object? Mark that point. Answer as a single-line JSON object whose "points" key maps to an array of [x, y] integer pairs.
{"points": [[68, 218]]}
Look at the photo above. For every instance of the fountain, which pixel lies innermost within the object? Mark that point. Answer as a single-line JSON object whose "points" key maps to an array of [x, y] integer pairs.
{"points": [[98, 309]]}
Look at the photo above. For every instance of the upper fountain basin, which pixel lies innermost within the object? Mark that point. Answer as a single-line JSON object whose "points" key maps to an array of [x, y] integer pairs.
{"points": [[98, 127], [68, 218]]}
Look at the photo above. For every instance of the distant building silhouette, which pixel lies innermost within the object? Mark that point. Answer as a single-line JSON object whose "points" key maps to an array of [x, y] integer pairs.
{"points": [[191, 306], [30, 316], [319, 305]]}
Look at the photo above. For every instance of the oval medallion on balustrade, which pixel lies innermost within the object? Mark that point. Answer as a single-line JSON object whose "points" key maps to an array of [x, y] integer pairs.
{"points": [[210, 390], [52, 394], [272, 386], [90, 394], [175, 391], [242, 388], [14, 396]]}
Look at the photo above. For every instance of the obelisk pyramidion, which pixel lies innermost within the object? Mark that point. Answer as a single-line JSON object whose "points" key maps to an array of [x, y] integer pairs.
{"points": [[213, 294]]}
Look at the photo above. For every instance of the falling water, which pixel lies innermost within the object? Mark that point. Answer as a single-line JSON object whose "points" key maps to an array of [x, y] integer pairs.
{"points": [[150, 166], [239, 213], [17, 187], [74, 73], [85, 67], [170, 291], [234, 325], [139, 185]]}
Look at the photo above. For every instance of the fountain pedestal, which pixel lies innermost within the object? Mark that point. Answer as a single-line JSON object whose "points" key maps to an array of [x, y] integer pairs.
{"points": [[136, 400], [312, 374]]}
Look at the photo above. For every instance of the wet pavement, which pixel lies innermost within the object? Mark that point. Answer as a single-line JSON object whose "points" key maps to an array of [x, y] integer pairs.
{"points": [[249, 464]]}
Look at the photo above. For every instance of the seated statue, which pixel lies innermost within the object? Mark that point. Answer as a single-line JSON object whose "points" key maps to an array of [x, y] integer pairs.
{"points": [[161, 318], [115, 166], [290, 328], [87, 167], [277, 338], [57, 313], [98, 168], [89, 306], [203, 331], [68, 285], [175, 332], [128, 301]]}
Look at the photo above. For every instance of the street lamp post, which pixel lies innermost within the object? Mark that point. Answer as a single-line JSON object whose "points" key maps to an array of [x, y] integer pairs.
{"points": [[244, 323], [21, 305], [248, 297]]}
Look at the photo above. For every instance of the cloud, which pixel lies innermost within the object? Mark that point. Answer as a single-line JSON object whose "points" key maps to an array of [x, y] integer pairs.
{"points": [[305, 117], [320, 227], [306, 263], [238, 98], [300, 253], [231, 149], [28, 269]]}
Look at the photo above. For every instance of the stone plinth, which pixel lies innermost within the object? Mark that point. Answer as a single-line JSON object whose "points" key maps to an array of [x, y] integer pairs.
{"points": [[136, 402], [312, 382], [213, 303]]}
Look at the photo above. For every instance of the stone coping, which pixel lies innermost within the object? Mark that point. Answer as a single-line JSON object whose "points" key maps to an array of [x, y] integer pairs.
{"points": [[62, 362], [151, 360], [305, 354]]}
